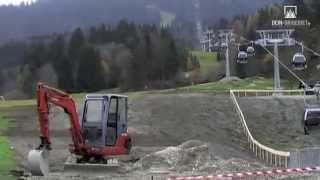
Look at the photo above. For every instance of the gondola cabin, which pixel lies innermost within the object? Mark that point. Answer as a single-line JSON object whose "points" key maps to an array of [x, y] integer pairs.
{"points": [[251, 51], [299, 62], [242, 57], [311, 117]]}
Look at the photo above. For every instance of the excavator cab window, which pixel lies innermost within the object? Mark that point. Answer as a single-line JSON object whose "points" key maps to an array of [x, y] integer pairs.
{"points": [[113, 116], [92, 122], [104, 119], [116, 123], [123, 110], [93, 111]]}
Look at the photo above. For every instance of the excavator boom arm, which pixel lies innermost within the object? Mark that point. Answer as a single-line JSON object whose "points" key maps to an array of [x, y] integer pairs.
{"points": [[47, 95]]}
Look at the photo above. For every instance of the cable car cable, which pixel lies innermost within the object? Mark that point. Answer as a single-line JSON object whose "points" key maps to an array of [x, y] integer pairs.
{"points": [[290, 71], [307, 48]]}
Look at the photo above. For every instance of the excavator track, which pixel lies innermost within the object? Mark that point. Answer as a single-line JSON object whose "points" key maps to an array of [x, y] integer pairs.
{"points": [[72, 166]]}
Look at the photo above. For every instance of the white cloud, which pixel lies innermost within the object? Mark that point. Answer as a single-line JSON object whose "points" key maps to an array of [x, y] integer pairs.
{"points": [[14, 2]]}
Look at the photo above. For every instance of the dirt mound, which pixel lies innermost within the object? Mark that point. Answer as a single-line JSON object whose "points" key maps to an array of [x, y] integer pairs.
{"points": [[191, 155]]}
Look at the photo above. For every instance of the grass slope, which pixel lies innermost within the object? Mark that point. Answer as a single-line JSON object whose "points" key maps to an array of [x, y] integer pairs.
{"points": [[206, 60], [250, 83], [7, 161], [78, 98]]}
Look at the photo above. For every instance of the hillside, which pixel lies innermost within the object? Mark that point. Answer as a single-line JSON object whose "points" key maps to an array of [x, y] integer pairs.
{"points": [[48, 16], [172, 120]]}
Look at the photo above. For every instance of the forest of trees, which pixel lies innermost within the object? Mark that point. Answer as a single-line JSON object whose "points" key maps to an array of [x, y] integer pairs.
{"points": [[126, 56], [247, 25]]}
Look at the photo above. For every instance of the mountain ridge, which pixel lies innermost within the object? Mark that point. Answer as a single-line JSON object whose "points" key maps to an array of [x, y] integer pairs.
{"points": [[49, 16]]}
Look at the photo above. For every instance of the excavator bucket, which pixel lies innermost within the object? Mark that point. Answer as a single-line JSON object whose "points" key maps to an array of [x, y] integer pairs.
{"points": [[39, 162]]}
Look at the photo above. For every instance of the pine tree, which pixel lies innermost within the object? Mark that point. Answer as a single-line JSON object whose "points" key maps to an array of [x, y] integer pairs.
{"points": [[1, 81], [93, 35], [102, 34], [35, 56], [170, 56], [90, 72], [77, 41], [139, 66], [122, 32], [315, 9], [76, 44], [61, 63]]}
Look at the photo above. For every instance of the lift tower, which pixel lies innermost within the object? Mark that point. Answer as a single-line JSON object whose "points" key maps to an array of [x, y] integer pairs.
{"points": [[225, 37], [207, 41], [276, 38]]}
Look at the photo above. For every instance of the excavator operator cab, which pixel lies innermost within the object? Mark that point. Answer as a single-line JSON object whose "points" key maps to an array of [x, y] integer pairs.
{"points": [[104, 119]]}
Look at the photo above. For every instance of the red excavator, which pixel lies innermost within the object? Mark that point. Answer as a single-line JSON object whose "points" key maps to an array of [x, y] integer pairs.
{"points": [[99, 135]]}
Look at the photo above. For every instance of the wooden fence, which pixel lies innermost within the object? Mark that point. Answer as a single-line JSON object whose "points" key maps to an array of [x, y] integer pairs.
{"points": [[267, 154], [241, 93]]}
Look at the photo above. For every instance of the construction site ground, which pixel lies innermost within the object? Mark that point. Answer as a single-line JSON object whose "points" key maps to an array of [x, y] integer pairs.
{"points": [[177, 133]]}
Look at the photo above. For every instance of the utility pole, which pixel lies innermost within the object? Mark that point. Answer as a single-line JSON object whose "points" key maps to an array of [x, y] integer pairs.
{"points": [[227, 58]]}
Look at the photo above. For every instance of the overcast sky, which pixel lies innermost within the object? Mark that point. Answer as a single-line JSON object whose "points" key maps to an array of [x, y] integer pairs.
{"points": [[15, 2]]}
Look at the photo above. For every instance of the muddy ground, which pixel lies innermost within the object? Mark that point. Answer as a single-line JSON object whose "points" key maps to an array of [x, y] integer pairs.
{"points": [[161, 126], [277, 122]]}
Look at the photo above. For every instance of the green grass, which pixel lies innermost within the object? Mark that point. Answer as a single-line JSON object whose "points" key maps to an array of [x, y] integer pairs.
{"points": [[32, 102], [77, 97], [135, 95], [7, 161], [251, 83], [206, 59], [14, 103]]}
